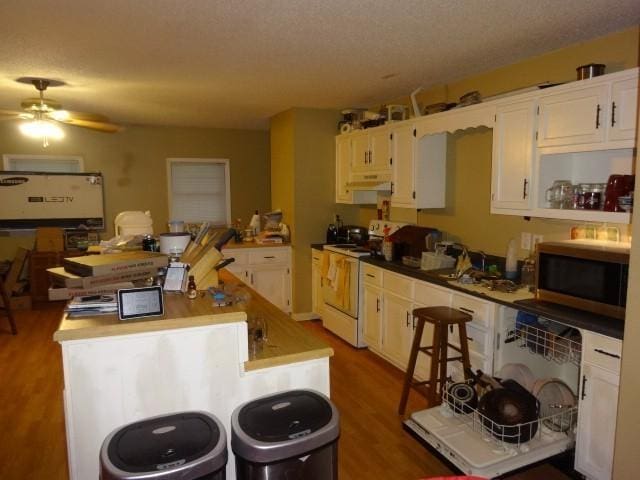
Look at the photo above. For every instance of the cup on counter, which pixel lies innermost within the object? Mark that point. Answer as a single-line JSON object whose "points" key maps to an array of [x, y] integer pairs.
{"points": [[176, 226]]}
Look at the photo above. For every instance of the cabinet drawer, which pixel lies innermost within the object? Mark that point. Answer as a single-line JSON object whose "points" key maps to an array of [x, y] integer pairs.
{"points": [[372, 275], [241, 258], [431, 296], [479, 340], [482, 312], [268, 256], [398, 284], [602, 351]]}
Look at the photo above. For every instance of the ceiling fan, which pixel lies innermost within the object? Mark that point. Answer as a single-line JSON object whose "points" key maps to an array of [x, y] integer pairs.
{"points": [[43, 114]]}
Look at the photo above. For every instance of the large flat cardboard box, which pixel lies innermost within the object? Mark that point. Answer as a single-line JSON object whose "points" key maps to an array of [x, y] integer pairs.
{"points": [[108, 264]]}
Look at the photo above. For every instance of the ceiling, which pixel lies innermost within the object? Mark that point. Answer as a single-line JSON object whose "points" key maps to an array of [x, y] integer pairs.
{"points": [[234, 64]]}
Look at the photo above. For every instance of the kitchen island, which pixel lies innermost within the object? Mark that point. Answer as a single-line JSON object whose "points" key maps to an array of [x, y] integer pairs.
{"points": [[194, 357]]}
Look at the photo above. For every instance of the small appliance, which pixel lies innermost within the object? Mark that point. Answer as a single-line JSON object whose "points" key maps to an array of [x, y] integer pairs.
{"points": [[587, 275]]}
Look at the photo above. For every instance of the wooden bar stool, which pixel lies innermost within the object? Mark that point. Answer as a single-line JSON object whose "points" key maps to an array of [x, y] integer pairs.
{"points": [[7, 307], [441, 318]]}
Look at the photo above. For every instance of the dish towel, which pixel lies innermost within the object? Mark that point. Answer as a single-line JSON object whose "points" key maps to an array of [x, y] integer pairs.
{"points": [[342, 283], [324, 263], [332, 273]]}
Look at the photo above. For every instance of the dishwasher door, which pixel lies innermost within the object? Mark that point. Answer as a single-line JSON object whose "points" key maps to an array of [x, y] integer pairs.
{"points": [[468, 440]]}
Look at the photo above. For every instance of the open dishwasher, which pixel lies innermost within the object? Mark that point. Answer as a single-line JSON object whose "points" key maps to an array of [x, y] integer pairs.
{"points": [[544, 358]]}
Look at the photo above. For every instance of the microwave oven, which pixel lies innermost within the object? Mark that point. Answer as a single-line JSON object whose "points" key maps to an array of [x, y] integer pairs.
{"points": [[586, 276]]}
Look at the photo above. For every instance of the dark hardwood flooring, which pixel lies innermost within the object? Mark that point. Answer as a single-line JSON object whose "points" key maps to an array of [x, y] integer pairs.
{"points": [[366, 390]]}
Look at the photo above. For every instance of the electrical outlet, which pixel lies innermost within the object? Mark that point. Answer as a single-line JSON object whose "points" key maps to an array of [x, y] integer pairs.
{"points": [[536, 239], [525, 241]]}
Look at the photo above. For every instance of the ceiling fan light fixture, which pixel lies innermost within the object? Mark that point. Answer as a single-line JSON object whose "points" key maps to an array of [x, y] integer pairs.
{"points": [[42, 129], [60, 115]]}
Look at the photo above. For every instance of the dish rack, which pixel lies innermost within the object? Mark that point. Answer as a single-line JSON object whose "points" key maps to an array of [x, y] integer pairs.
{"points": [[558, 347], [508, 437]]}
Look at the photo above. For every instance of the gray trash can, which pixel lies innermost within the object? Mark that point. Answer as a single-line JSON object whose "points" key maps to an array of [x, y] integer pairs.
{"points": [[290, 435], [185, 446]]}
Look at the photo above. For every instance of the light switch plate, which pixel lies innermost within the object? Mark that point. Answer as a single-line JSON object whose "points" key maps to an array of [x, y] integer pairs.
{"points": [[525, 241]]}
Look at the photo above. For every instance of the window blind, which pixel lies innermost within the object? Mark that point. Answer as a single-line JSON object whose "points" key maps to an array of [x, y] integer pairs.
{"points": [[199, 192]]}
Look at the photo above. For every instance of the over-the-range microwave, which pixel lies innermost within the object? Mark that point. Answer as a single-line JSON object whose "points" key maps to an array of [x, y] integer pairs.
{"points": [[585, 275]]}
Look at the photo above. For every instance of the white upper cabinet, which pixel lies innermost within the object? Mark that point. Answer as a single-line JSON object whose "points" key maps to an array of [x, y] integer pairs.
{"points": [[370, 150], [574, 117], [344, 156], [600, 111], [403, 159], [419, 168], [624, 108], [513, 142]]}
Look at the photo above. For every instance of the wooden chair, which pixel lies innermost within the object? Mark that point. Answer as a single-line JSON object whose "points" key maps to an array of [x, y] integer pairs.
{"points": [[441, 318], [6, 302]]}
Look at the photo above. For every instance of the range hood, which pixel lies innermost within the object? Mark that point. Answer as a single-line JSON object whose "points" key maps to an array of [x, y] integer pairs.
{"points": [[380, 182]]}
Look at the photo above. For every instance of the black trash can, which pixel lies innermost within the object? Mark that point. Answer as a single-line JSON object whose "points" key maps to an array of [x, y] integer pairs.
{"points": [[185, 446], [287, 436]]}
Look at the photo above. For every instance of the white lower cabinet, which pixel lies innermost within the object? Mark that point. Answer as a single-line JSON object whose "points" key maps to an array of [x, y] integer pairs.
{"points": [[372, 327], [397, 332], [267, 270], [598, 406]]}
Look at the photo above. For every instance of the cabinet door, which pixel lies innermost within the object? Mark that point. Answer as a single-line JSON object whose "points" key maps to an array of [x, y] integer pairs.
{"points": [[343, 168], [624, 105], [403, 155], [272, 282], [371, 327], [397, 329], [574, 117], [360, 152], [379, 150], [596, 422], [512, 155]]}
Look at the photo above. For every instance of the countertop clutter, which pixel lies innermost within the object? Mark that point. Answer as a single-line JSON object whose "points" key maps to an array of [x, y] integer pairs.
{"points": [[287, 341]]}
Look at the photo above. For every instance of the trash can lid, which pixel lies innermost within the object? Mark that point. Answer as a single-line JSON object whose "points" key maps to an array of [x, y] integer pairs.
{"points": [[283, 425], [184, 445]]}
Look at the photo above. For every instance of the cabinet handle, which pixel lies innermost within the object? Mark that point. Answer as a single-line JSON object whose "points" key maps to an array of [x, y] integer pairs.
{"points": [[270, 256], [370, 275], [613, 114], [524, 188], [321, 282], [377, 304], [391, 188], [584, 384], [370, 157], [407, 319], [252, 279], [598, 117], [471, 312], [608, 354]]}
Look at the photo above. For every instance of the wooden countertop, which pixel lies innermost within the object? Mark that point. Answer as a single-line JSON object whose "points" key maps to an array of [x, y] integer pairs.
{"points": [[232, 245], [287, 342]]}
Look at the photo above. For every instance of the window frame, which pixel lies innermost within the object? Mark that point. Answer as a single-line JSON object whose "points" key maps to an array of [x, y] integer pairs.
{"points": [[227, 180], [7, 158]]}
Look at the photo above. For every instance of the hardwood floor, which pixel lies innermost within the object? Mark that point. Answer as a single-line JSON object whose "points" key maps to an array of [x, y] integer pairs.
{"points": [[365, 389]]}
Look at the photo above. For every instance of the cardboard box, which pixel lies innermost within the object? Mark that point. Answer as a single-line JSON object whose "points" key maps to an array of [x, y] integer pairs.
{"points": [[49, 239]]}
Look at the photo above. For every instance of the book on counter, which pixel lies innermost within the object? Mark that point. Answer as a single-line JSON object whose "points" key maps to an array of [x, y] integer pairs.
{"points": [[114, 263], [88, 305], [61, 278], [65, 293]]}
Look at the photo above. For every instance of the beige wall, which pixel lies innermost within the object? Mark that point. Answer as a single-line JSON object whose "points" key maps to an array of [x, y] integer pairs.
{"points": [[626, 460], [467, 218], [134, 166], [303, 185]]}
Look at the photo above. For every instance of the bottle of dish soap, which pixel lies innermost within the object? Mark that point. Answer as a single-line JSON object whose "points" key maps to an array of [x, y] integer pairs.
{"points": [[511, 266]]}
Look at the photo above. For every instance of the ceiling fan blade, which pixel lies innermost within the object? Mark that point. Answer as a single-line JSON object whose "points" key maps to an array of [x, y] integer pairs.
{"points": [[68, 114], [12, 113], [100, 126]]}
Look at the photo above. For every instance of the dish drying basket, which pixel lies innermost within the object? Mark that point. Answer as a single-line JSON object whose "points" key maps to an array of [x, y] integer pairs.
{"points": [[436, 261], [553, 341], [510, 436]]}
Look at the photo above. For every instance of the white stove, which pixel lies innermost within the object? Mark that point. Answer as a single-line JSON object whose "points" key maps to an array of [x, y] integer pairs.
{"points": [[343, 301]]}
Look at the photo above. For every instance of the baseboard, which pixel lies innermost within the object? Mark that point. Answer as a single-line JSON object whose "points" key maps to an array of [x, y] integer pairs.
{"points": [[301, 317]]}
